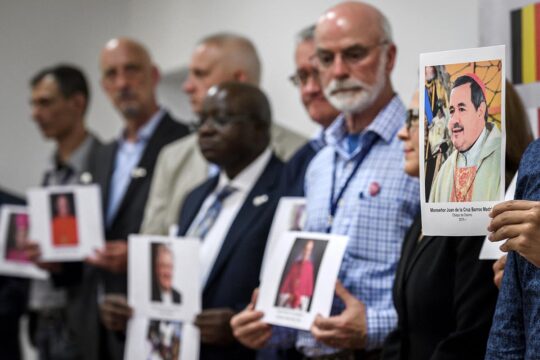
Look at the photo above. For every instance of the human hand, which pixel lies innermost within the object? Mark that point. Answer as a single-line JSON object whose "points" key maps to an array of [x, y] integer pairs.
{"points": [[32, 251], [519, 222], [248, 328], [215, 327], [498, 270], [347, 330], [113, 257], [115, 312]]}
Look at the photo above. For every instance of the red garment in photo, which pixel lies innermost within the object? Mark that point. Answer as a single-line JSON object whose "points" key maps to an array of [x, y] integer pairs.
{"points": [[64, 231], [298, 282], [463, 184]]}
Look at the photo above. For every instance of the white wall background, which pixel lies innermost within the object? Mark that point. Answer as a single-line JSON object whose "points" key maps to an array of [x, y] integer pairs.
{"points": [[35, 34], [41, 33]]}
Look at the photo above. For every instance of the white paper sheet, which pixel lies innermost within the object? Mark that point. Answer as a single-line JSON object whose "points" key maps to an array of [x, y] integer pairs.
{"points": [[290, 215], [490, 250], [83, 218], [158, 262], [14, 231], [462, 218], [301, 282], [151, 339]]}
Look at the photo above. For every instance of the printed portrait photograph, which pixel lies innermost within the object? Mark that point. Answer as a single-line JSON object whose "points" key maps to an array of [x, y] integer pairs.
{"points": [[299, 276], [162, 275], [298, 217], [463, 132], [164, 340], [64, 229], [17, 237]]}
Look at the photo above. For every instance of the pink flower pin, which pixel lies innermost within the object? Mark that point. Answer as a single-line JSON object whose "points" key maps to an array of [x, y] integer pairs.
{"points": [[374, 188]]}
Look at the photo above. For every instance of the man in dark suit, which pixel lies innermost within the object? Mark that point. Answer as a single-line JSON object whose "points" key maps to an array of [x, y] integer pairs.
{"points": [[60, 97], [13, 297], [231, 212], [163, 266], [124, 170]]}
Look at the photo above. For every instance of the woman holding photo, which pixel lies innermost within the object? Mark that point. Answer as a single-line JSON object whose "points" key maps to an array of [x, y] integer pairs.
{"points": [[444, 295]]}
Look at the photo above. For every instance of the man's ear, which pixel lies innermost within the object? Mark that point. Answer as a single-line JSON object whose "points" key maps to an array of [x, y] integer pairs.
{"points": [[481, 111], [240, 76], [79, 101], [391, 54], [156, 75]]}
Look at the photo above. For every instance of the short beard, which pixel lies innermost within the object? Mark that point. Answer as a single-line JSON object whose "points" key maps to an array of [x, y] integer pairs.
{"points": [[362, 99], [131, 112]]}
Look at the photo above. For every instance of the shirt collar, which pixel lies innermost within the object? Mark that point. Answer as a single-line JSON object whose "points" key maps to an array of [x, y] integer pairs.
{"points": [[317, 142], [146, 132], [245, 180], [471, 157], [77, 158]]}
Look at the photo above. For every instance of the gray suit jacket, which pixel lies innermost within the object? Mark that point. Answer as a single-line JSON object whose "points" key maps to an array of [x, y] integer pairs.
{"points": [[181, 167]]}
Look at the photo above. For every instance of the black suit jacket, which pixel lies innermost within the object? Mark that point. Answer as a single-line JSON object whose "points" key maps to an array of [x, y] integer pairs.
{"points": [[235, 272], [176, 296], [127, 221], [445, 298], [13, 298]]}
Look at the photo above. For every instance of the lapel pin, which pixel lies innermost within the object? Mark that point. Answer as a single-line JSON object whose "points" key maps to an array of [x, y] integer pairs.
{"points": [[259, 200], [138, 172], [374, 188], [86, 178]]}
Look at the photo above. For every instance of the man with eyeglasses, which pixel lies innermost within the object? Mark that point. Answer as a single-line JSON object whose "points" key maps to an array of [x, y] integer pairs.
{"points": [[306, 78], [355, 187]]}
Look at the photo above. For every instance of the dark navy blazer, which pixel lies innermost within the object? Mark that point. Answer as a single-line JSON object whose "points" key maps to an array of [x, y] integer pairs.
{"points": [[235, 272]]}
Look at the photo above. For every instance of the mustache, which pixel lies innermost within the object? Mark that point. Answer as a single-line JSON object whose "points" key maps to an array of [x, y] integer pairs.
{"points": [[125, 94], [457, 127], [347, 84]]}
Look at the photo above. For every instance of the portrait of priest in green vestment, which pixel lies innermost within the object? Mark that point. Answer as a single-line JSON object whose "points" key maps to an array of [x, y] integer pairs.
{"points": [[472, 171]]}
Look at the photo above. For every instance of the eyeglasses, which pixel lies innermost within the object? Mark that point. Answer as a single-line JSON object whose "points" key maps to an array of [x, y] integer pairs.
{"points": [[301, 77], [219, 121], [351, 55], [412, 119]]}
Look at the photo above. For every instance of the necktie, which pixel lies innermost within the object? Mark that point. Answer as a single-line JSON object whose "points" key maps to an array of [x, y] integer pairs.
{"points": [[207, 221]]}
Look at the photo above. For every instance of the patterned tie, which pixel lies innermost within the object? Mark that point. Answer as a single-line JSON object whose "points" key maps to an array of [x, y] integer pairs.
{"points": [[207, 221]]}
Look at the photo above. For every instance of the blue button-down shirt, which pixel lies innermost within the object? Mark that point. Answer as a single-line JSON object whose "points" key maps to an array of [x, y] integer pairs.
{"points": [[127, 157], [377, 208]]}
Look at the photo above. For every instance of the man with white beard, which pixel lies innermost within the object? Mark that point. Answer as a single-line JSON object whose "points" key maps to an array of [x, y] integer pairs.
{"points": [[354, 187]]}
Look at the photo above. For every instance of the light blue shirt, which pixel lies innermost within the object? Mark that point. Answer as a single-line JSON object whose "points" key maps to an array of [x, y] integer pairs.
{"points": [[128, 155], [376, 210]]}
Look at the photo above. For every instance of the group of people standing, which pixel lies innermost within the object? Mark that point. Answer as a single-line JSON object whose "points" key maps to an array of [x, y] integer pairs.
{"points": [[399, 295]]}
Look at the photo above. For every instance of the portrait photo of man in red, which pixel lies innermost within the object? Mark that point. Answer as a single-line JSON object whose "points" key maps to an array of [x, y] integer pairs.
{"points": [[64, 220], [299, 277]]}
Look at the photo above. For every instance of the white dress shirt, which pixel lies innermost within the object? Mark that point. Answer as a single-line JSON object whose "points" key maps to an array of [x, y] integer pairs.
{"points": [[243, 183]]}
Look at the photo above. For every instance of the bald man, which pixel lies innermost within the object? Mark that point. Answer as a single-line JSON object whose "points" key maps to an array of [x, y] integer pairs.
{"points": [[216, 59], [356, 187], [124, 169]]}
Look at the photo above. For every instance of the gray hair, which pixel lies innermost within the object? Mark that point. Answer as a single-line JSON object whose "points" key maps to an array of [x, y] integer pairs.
{"points": [[386, 28], [306, 34], [240, 51]]}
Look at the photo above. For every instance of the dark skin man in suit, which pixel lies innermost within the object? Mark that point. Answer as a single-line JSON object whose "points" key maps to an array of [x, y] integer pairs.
{"points": [[233, 131]]}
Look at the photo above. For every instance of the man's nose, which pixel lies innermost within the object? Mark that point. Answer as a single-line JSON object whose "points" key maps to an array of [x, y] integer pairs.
{"points": [[188, 86], [122, 80], [340, 69], [312, 85]]}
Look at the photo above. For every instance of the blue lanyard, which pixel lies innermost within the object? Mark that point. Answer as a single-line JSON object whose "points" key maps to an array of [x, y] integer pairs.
{"points": [[369, 140]]}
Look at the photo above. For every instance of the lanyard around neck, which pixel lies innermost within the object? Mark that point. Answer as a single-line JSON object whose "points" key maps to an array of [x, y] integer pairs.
{"points": [[369, 140]]}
